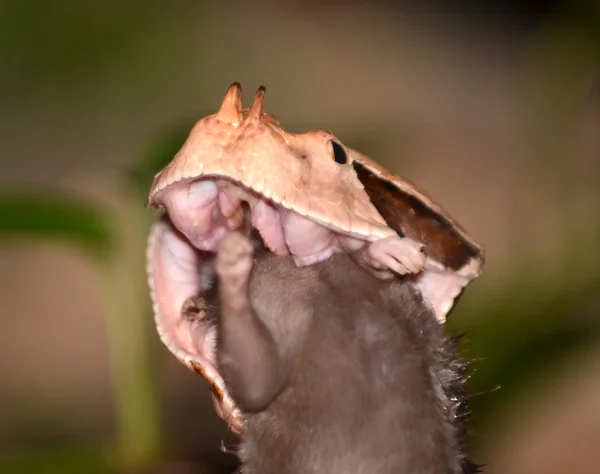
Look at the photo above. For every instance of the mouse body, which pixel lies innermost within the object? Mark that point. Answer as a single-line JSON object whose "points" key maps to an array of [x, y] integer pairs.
{"points": [[336, 371]]}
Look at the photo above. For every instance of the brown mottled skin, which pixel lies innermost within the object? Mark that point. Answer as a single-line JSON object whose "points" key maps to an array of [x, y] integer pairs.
{"points": [[336, 371]]}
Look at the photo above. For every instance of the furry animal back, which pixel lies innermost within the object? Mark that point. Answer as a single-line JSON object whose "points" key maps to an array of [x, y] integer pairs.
{"points": [[336, 371]]}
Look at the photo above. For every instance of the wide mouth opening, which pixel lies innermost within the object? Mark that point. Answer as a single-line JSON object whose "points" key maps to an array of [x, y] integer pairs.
{"points": [[181, 252], [182, 275]]}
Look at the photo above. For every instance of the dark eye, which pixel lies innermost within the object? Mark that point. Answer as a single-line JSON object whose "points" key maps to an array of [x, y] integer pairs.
{"points": [[339, 154]]}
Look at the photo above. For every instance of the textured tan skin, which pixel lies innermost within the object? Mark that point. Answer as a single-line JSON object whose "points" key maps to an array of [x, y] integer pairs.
{"points": [[296, 171]]}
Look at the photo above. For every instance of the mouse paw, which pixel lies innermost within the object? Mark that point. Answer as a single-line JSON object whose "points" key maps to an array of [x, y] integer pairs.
{"points": [[391, 256], [234, 259]]}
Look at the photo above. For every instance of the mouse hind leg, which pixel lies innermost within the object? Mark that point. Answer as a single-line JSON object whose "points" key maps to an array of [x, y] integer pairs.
{"points": [[247, 352]]}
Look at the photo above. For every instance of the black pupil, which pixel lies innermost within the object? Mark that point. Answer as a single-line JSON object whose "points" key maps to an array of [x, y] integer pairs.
{"points": [[339, 155]]}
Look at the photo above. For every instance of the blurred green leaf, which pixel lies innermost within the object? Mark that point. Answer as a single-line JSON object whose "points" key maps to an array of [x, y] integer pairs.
{"points": [[57, 461], [61, 217], [159, 155]]}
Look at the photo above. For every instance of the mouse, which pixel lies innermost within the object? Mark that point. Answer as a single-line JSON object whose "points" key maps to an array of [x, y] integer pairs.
{"points": [[335, 370]]}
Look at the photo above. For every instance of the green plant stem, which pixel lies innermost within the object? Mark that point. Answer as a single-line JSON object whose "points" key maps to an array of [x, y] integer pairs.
{"points": [[129, 324]]}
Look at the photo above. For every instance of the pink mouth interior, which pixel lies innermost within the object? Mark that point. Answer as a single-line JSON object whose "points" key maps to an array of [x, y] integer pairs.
{"points": [[205, 210]]}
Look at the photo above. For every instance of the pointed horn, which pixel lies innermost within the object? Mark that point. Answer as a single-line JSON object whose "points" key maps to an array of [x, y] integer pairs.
{"points": [[231, 108], [256, 109]]}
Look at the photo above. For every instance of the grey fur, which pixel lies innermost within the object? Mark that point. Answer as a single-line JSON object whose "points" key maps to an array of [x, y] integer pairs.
{"points": [[362, 379]]}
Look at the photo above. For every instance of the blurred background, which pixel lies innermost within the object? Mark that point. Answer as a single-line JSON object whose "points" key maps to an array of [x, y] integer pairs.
{"points": [[492, 107]]}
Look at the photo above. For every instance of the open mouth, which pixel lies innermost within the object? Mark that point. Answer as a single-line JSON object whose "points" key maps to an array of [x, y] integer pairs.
{"points": [[304, 195], [182, 245]]}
